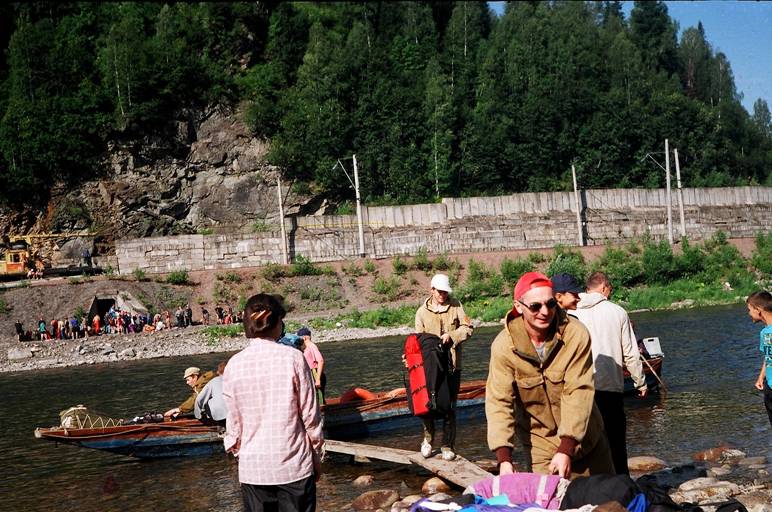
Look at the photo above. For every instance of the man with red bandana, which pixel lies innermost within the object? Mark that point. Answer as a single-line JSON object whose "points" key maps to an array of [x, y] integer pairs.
{"points": [[540, 388]]}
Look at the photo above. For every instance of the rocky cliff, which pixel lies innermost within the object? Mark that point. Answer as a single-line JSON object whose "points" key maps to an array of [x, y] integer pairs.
{"points": [[211, 173]]}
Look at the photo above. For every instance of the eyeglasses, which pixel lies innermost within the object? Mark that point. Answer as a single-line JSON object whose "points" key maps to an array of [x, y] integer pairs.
{"points": [[535, 307]]}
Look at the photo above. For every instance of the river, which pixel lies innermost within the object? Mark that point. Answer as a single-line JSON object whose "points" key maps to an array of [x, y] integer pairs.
{"points": [[712, 361]]}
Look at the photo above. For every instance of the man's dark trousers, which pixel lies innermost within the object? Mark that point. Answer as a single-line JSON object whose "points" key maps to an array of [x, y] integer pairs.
{"points": [[612, 409], [297, 496]]}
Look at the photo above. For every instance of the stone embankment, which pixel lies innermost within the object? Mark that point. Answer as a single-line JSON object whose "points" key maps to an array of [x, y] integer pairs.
{"points": [[717, 475], [36, 355]]}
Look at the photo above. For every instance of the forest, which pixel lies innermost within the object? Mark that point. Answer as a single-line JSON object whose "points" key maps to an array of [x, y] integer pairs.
{"points": [[435, 98]]}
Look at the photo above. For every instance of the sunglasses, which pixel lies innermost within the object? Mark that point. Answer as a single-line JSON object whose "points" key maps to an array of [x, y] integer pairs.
{"points": [[535, 307]]}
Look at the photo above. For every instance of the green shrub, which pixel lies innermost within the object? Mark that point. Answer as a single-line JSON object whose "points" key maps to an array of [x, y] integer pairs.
{"points": [[303, 266], [566, 260], [536, 257], [346, 208], [481, 281], [273, 272], [399, 265], [109, 271], [80, 312], [74, 280], [659, 264], [388, 288], [511, 270], [4, 307], [260, 226], [442, 262], [230, 277], [421, 261], [622, 268], [178, 277], [215, 333], [369, 267], [353, 269], [721, 258], [691, 261], [139, 274], [168, 299], [223, 293], [204, 231], [761, 259]]}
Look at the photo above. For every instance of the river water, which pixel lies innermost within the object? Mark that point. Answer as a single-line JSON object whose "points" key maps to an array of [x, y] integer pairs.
{"points": [[712, 361]]}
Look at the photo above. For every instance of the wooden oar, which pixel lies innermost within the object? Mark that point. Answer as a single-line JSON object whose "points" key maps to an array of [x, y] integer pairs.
{"points": [[661, 383]]}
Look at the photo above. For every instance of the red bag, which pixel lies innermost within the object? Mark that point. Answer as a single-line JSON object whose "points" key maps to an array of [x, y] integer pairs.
{"points": [[418, 394]]}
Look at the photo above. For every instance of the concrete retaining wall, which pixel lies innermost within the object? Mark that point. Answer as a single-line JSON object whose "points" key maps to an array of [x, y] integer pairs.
{"points": [[472, 224]]}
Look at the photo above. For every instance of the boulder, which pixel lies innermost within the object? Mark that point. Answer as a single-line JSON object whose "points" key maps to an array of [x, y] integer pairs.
{"points": [[719, 471], [711, 454], [701, 490], [129, 352], [435, 485], [364, 480], [645, 463], [752, 461], [732, 456], [373, 500], [19, 354]]}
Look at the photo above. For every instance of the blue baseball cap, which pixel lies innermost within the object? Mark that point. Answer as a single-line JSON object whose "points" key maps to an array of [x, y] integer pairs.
{"points": [[562, 283], [304, 331]]}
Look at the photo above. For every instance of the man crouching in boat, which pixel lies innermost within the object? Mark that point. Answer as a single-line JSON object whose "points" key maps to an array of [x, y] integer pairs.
{"points": [[540, 387], [195, 380]]}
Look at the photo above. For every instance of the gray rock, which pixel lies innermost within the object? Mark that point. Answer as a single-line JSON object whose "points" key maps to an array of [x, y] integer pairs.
{"points": [[107, 351], [129, 352], [732, 456], [697, 483], [435, 485], [364, 480], [704, 489], [373, 500], [718, 471], [750, 461], [19, 354], [645, 463]]}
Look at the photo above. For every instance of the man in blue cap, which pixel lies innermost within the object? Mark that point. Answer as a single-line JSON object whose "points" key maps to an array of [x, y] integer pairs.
{"points": [[566, 289]]}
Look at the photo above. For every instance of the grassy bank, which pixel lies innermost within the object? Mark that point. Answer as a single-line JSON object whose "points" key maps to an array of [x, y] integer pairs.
{"points": [[646, 275]]}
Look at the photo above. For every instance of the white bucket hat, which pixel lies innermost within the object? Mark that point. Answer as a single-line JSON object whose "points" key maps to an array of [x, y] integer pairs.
{"points": [[442, 283]]}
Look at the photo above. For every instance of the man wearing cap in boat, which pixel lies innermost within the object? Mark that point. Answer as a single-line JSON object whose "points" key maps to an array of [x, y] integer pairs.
{"points": [[444, 317], [540, 388], [196, 380]]}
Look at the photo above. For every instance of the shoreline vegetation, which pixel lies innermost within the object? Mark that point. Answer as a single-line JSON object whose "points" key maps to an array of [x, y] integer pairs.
{"points": [[646, 276]]}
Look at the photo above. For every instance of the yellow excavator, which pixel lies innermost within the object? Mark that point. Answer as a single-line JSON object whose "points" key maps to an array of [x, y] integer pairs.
{"points": [[17, 257]]}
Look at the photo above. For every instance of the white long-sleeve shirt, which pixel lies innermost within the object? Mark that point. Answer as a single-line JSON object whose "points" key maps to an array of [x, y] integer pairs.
{"points": [[614, 344]]}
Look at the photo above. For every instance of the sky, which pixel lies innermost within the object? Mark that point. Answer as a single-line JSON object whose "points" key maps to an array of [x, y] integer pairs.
{"points": [[742, 30]]}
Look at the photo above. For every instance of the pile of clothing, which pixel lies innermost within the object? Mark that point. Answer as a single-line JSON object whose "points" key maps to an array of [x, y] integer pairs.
{"points": [[532, 492]]}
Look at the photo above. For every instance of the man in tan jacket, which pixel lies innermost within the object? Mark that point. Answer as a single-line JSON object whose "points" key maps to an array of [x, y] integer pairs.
{"points": [[444, 317], [540, 388], [196, 380]]}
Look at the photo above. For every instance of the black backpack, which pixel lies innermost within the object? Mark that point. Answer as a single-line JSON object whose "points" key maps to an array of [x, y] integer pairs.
{"points": [[442, 380]]}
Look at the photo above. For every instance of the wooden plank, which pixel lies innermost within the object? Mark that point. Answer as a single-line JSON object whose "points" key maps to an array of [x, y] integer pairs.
{"points": [[460, 471]]}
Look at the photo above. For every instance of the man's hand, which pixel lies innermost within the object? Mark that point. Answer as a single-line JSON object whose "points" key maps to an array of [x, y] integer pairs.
{"points": [[643, 392], [760, 383], [404, 360], [172, 413], [446, 339], [506, 468], [560, 465]]}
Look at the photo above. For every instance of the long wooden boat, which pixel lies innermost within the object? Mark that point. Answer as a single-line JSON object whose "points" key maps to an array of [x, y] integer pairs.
{"points": [[343, 419]]}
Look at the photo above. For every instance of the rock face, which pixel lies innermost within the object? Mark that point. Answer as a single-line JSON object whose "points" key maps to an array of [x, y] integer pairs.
{"points": [[212, 172]]}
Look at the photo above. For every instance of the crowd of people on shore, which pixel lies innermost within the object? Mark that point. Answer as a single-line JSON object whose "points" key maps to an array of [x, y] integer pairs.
{"points": [[118, 321]]}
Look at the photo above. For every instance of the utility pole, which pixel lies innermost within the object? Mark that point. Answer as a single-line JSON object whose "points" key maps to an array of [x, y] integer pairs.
{"points": [[680, 193], [359, 209], [578, 208], [668, 201], [284, 256]]}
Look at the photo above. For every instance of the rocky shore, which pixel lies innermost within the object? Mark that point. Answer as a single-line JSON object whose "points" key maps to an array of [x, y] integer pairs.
{"points": [[37, 355], [715, 476]]}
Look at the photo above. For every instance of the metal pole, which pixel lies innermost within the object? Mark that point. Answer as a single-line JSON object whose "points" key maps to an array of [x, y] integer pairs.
{"points": [[578, 208], [668, 199], [680, 193], [359, 210], [284, 256]]}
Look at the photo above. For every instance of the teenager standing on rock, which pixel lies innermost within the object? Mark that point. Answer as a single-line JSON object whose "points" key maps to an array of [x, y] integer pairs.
{"points": [[760, 310], [444, 317]]}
